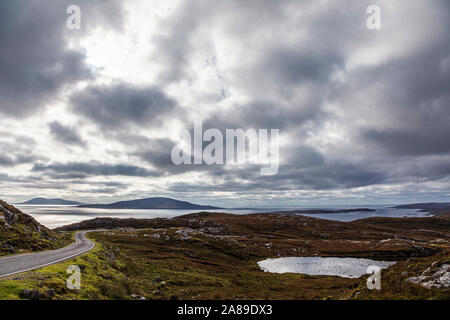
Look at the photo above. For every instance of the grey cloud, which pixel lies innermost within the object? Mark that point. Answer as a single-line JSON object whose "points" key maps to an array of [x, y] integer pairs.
{"points": [[327, 176], [421, 169], [266, 114], [95, 169], [69, 177], [173, 45], [157, 152], [8, 161], [312, 175], [121, 105], [409, 142], [35, 59], [17, 150], [65, 134], [330, 177], [109, 191], [303, 156], [416, 95], [295, 65]]}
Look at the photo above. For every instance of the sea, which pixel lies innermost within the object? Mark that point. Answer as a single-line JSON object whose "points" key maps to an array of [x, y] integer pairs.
{"points": [[53, 216]]}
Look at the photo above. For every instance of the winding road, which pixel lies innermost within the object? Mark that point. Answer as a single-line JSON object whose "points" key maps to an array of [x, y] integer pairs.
{"points": [[24, 262]]}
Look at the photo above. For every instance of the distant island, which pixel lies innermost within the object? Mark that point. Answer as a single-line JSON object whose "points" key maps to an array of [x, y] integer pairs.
{"points": [[44, 201], [151, 203], [436, 208], [327, 211]]}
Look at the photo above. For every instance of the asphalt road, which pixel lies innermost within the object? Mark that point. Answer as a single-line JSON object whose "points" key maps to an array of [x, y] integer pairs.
{"points": [[25, 262]]}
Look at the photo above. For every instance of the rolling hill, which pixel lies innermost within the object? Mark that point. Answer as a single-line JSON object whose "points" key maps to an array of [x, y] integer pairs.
{"points": [[152, 203], [435, 208], [44, 201]]}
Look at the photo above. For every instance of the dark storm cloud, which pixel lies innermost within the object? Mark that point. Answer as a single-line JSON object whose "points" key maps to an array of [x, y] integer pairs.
{"points": [[334, 175], [407, 142], [293, 65], [326, 177], [157, 152], [420, 169], [304, 168], [95, 169], [121, 105], [266, 114], [65, 134], [416, 93], [303, 156], [35, 61]]}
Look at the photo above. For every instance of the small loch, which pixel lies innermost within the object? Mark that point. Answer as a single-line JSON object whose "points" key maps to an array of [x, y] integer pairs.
{"points": [[342, 267]]}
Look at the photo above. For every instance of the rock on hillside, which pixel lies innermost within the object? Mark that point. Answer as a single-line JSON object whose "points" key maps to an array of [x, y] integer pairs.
{"points": [[20, 232], [434, 276], [10, 216]]}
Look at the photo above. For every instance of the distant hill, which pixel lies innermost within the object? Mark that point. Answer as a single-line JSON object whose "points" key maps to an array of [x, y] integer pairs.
{"points": [[44, 201], [327, 211], [436, 208], [428, 205], [151, 203]]}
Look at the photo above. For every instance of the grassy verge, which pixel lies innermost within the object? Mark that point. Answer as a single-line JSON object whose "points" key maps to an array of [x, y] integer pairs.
{"points": [[50, 281]]}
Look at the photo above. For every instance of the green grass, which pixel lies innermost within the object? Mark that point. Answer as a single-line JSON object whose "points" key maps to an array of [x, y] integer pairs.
{"points": [[94, 268]]}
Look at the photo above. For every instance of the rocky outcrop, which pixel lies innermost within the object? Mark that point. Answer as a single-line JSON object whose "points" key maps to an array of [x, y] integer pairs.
{"points": [[19, 231], [7, 216], [12, 216], [433, 277]]}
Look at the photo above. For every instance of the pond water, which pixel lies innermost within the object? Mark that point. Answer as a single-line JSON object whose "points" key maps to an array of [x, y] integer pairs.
{"points": [[342, 267]]}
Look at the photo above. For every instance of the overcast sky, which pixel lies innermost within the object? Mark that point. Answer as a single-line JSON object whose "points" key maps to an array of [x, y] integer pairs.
{"points": [[92, 114]]}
